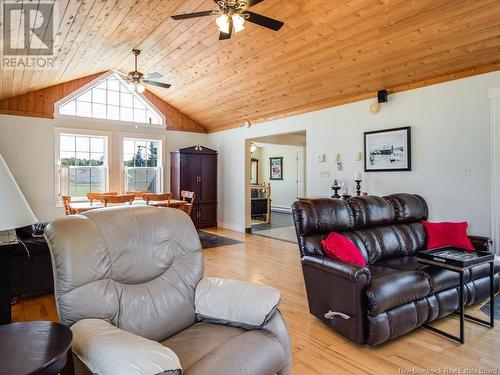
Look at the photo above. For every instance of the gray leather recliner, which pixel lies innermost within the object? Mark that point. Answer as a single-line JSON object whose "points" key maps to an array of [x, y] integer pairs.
{"points": [[129, 283]]}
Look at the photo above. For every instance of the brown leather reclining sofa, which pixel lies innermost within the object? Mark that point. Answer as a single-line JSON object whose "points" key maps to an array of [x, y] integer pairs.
{"points": [[393, 294]]}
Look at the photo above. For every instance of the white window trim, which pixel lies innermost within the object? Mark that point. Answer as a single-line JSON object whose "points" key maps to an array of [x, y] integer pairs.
{"points": [[142, 136], [57, 161], [95, 82]]}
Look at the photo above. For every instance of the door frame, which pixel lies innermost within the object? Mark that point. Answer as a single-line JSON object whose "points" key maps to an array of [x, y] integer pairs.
{"points": [[301, 171], [494, 96]]}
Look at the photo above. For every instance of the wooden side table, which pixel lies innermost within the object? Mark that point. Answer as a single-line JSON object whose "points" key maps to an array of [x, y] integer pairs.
{"points": [[34, 348]]}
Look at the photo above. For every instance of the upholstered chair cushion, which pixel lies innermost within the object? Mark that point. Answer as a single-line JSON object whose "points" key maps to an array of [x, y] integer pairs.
{"points": [[108, 350], [101, 274]]}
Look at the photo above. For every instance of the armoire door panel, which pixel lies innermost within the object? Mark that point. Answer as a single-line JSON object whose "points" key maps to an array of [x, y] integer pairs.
{"points": [[189, 173], [208, 213], [208, 183]]}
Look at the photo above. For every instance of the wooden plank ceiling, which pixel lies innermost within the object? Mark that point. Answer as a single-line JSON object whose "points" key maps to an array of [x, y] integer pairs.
{"points": [[329, 52]]}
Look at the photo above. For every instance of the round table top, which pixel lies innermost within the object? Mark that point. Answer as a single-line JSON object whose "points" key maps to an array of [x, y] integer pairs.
{"points": [[30, 347]]}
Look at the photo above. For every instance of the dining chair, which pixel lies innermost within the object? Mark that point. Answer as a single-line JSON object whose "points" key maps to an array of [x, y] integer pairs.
{"points": [[188, 196], [98, 196], [118, 199], [137, 194], [66, 199], [157, 199]]}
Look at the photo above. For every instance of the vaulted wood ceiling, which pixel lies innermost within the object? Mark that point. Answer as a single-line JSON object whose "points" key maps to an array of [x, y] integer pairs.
{"points": [[329, 52]]}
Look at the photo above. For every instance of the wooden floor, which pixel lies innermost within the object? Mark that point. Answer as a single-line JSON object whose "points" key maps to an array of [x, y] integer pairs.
{"points": [[316, 348]]}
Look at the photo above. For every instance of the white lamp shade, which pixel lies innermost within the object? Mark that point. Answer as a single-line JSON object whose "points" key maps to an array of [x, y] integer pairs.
{"points": [[14, 210]]}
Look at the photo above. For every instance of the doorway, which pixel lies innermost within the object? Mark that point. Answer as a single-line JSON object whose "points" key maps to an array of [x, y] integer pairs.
{"points": [[277, 167]]}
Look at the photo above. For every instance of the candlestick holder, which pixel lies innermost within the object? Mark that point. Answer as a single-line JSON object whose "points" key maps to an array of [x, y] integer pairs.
{"points": [[358, 187], [336, 192]]}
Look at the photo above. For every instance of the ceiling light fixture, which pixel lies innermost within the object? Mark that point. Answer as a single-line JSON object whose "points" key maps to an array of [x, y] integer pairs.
{"points": [[253, 148], [238, 22], [223, 22], [136, 87]]}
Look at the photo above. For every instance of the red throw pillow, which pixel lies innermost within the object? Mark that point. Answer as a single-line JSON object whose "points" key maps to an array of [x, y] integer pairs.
{"points": [[447, 234], [339, 247]]}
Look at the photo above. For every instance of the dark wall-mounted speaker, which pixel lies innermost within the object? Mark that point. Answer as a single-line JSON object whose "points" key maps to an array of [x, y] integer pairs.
{"points": [[382, 96]]}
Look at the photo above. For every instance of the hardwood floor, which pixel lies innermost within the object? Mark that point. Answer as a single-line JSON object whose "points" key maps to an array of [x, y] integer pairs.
{"points": [[316, 348]]}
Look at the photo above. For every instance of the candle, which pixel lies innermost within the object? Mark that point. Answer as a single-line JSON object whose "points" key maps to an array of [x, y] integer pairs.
{"points": [[358, 176]]}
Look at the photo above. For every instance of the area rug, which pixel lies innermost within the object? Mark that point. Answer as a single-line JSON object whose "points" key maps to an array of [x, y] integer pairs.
{"points": [[209, 240], [486, 308]]}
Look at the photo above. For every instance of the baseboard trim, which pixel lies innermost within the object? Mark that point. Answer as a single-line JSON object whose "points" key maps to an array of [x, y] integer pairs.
{"points": [[235, 227], [284, 210]]}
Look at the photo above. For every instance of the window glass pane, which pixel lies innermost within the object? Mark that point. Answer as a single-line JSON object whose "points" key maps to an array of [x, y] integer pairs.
{"points": [[153, 154], [101, 85], [67, 158], [67, 143], [96, 159], [126, 100], [99, 110], [128, 146], [82, 159], [97, 145], [68, 108], [83, 109], [83, 144], [113, 98], [139, 115], [85, 97], [138, 103], [126, 114], [99, 96], [113, 112], [113, 84]]}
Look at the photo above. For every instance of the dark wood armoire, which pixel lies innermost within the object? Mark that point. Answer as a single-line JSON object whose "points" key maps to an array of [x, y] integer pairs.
{"points": [[195, 169]]}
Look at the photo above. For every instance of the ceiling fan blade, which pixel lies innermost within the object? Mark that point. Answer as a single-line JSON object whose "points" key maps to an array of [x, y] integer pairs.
{"points": [[178, 17], [154, 75], [264, 21], [251, 3], [122, 75], [226, 36], [157, 84]]}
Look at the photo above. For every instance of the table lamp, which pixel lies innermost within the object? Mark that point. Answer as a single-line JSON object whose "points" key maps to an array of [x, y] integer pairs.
{"points": [[14, 210]]}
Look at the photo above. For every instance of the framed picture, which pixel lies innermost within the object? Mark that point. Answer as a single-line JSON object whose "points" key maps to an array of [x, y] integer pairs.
{"points": [[276, 169], [388, 150]]}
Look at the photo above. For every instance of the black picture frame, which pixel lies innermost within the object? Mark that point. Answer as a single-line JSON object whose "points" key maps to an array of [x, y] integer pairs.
{"points": [[406, 151], [272, 175]]}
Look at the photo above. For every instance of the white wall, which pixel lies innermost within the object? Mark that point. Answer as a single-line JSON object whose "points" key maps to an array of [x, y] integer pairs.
{"points": [[495, 167], [284, 192], [27, 145], [450, 123]]}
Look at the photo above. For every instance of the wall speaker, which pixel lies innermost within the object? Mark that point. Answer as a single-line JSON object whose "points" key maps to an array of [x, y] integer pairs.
{"points": [[382, 96]]}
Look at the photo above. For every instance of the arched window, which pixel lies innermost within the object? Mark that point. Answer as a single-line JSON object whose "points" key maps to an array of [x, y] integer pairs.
{"points": [[109, 98]]}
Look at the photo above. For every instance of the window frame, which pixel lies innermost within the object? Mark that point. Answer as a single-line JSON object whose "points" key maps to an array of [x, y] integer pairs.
{"points": [[95, 82], [58, 132], [142, 137]]}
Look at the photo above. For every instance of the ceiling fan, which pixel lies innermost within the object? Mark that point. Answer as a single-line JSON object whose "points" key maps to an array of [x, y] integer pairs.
{"points": [[135, 80], [232, 15]]}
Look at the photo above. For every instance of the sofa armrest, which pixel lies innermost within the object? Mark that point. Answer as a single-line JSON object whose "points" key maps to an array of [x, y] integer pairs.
{"points": [[481, 243], [341, 269], [336, 293], [236, 303], [108, 350]]}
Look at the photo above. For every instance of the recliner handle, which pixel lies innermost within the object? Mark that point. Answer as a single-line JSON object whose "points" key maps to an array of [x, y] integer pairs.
{"points": [[330, 315]]}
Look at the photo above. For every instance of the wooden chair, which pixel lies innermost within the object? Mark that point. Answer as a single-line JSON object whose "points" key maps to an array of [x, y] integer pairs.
{"points": [[137, 194], [158, 200], [98, 196], [118, 199], [189, 197], [67, 205]]}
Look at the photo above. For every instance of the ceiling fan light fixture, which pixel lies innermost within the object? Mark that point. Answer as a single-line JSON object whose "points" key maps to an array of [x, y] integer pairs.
{"points": [[223, 23], [140, 88], [238, 22]]}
